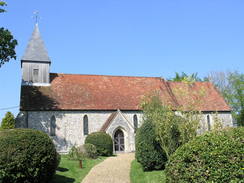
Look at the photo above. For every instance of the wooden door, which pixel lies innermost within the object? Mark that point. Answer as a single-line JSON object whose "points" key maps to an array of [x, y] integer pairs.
{"points": [[119, 141]]}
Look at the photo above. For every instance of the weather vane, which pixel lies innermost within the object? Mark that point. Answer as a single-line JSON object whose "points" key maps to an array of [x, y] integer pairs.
{"points": [[36, 16]]}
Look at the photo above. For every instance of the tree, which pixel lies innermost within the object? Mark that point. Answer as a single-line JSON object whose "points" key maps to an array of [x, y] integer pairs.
{"points": [[149, 152], [7, 42], [2, 4], [8, 121], [231, 86], [172, 128], [184, 77]]}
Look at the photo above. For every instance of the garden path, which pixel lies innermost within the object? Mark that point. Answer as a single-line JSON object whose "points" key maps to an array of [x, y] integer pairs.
{"points": [[112, 170]]}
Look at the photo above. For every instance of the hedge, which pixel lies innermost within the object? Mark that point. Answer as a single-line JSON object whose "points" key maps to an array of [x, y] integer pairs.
{"points": [[148, 151], [26, 156], [102, 141], [214, 157]]}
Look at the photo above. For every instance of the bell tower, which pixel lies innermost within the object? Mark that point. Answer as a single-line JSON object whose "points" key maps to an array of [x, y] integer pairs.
{"points": [[35, 63]]}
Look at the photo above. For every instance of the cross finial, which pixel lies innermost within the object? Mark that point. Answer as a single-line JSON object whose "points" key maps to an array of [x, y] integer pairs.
{"points": [[36, 16]]}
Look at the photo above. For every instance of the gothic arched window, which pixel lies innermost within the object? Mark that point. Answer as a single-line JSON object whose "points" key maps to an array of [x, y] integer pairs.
{"points": [[85, 125], [53, 126], [135, 120], [208, 123]]}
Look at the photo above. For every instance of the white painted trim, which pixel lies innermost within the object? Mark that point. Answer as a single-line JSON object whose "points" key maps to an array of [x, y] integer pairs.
{"points": [[125, 118], [35, 84]]}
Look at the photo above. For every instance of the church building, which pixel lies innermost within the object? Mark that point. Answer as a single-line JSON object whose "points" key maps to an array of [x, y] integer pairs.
{"points": [[68, 107]]}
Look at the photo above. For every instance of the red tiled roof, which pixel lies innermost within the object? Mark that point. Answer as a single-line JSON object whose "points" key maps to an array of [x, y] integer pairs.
{"points": [[97, 92], [198, 95]]}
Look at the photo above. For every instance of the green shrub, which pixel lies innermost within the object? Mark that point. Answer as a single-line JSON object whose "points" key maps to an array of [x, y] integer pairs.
{"points": [[171, 129], [148, 151], [82, 152], [90, 150], [73, 153], [8, 122], [102, 141], [213, 157], [76, 153], [27, 156]]}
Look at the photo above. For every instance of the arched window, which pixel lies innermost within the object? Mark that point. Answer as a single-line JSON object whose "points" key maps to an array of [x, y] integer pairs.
{"points": [[85, 125], [53, 126], [35, 75], [208, 123], [135, 120]]}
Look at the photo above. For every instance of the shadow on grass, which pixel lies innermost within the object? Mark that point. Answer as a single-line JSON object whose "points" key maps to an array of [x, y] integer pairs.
{"points": [[70, 172], [61, 169], [61, 179]]}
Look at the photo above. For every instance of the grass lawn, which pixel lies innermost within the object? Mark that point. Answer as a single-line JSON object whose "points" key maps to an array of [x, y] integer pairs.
{"points": [[70, 172], [137, 175]]}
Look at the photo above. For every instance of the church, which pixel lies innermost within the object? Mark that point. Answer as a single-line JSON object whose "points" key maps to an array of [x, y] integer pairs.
{"points": [[68, 107]]}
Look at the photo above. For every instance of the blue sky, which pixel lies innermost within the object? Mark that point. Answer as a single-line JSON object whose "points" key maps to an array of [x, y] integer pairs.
{"points": [[127, 37]]}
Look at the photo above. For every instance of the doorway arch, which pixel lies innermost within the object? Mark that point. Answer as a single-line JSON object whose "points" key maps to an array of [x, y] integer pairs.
{"points": [[119, 141]]}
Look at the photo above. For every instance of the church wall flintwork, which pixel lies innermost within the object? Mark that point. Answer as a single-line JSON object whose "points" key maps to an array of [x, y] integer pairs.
{"points": [[69, 125]]}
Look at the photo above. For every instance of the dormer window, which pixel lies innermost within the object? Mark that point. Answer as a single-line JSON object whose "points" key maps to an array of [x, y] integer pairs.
{"points": [[35, 75]]}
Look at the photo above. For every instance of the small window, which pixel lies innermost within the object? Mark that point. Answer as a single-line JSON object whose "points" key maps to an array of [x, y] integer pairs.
{"points": [[85, 125], [208, 123], [135, 120], [53, 126], [35, 75]]}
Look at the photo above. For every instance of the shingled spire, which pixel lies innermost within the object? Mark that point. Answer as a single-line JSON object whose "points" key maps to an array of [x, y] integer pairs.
{"points": [[35, 63], [36, 50]]}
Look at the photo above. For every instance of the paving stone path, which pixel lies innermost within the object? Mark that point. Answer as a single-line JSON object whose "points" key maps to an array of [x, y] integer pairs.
{"points": [[112, 170]]}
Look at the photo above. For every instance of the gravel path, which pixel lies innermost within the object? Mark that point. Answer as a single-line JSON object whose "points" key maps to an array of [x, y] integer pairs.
{"points": [[111, 170]]}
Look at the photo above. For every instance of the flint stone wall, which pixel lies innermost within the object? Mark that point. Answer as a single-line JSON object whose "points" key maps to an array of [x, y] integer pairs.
{"points": [[69, 125]]}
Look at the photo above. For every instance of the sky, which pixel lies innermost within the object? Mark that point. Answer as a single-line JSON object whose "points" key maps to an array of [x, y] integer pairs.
{"points": [[126, 37]]}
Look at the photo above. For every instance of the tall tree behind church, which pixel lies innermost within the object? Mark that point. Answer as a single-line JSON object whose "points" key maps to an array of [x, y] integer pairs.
{"points": [[185, 78], [231, 86]]}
